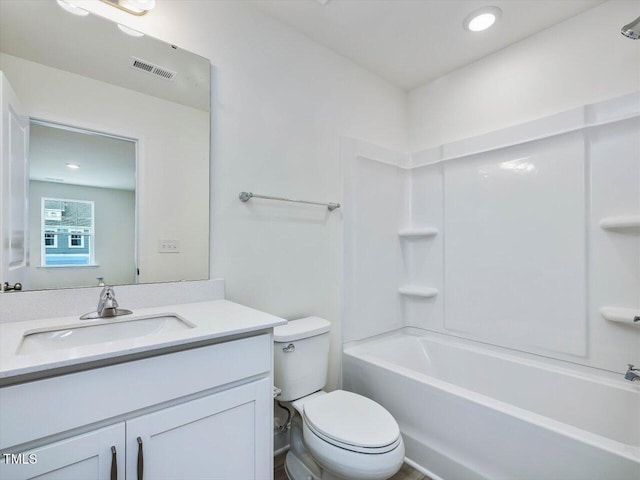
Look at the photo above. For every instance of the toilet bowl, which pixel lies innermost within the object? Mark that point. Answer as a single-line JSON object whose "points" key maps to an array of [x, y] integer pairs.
{"points": [[336, 435]]}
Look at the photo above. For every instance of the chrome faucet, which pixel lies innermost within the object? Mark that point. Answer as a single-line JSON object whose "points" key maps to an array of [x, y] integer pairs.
{"points": [[107, 306], [632, 373]]}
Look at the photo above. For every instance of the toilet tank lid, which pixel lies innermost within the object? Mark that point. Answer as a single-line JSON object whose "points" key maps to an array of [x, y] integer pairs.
{"points": [[302, 328]]}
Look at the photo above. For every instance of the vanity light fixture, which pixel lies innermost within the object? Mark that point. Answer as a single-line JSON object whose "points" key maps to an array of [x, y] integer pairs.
{"points": [[73, 166], [130, 31], [134, 7], [481, 19], [72, 8]]}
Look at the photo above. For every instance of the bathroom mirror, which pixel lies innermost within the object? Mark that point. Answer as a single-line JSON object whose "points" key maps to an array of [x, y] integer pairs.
{"points": [[105, 174]]}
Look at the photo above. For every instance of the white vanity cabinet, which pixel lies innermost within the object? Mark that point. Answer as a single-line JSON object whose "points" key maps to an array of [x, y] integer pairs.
{"points": [[203, 413], [209, 438], [90, 456]]}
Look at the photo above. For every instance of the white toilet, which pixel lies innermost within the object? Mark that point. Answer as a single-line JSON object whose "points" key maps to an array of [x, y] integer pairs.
{"points": [[337, 435]]}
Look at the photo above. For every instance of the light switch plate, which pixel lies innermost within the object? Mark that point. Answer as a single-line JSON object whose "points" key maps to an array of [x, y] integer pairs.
{"points": [[169, 246]]}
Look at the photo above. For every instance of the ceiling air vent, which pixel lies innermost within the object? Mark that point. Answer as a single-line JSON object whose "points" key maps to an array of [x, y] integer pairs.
{"points": [[152, 68]]}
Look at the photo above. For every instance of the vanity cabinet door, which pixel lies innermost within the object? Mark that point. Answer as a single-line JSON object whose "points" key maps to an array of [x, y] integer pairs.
{"points": [[226, 435], [84, 457]]}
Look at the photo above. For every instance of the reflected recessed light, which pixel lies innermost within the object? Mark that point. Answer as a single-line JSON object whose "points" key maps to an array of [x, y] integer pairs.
{"points": [[130, 31], [74, 166], [73, 9], [134, 7], [143, 4], [481, 19]]}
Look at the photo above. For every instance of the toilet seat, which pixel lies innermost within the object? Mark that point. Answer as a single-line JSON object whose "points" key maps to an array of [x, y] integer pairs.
{"points": [[351, 422], [349, 435]]}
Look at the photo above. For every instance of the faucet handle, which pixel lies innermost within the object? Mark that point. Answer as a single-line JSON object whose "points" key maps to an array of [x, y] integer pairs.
{"points": [[631, 368]]}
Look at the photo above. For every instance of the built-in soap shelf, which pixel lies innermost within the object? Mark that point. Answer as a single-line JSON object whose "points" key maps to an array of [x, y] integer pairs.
{"points": [[622, 222], [418, 291], [621, 314], [418, 232]]}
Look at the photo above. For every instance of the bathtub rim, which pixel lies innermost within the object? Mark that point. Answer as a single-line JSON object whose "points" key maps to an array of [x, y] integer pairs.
{"points": [[624, 450], [611, 378]]}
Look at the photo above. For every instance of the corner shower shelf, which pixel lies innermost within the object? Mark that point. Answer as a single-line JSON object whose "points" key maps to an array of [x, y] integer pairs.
{"points": [[418, 232], [620, 223], [417, 291], [621, 314]]}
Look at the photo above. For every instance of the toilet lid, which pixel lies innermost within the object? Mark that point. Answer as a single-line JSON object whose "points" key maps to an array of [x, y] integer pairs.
{"points": [[351, 419]]}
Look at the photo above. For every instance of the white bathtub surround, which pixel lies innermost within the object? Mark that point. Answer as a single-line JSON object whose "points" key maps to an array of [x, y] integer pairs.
{"points": [[516, 256], [536, 265], [418, 232], [628, 222], [374, 185], [619, 314], [474, 411]]}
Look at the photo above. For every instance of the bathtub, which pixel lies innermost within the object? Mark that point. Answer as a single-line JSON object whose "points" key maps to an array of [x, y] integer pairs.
{"points": [[470, 411]]}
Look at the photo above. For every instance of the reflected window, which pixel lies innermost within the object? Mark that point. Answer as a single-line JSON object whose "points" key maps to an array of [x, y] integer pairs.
{"points": [[50, 239], [76, 240], [68, 227]]}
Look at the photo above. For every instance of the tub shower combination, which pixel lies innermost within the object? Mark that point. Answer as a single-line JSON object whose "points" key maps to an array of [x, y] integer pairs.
{"points": [[468, 411], [492, 287]]}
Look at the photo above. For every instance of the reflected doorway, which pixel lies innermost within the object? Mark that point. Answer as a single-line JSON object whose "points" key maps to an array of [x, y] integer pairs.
{"points": [[82, 207]]}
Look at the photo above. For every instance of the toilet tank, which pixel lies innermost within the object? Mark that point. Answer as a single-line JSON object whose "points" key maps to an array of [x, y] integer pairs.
{"points": [[301, 357]]}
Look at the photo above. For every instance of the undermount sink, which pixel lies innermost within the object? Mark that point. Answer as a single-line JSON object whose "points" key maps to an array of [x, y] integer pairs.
{"points": [[107, 330]]}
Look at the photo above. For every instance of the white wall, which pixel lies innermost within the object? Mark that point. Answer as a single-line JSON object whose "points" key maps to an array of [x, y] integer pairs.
{"points": [[114, 212], [580, 61], [61, 97], [280, 104]]}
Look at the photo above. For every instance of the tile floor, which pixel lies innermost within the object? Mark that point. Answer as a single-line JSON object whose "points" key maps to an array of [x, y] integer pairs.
{"points": [[405, 473]]}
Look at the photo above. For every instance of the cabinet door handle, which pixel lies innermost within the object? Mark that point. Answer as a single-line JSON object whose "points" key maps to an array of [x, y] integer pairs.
{"points": [[140, 459], [114, 464]]}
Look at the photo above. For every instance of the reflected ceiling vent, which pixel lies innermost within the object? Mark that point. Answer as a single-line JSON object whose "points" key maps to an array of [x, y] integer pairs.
{"points": [[152, 68]]}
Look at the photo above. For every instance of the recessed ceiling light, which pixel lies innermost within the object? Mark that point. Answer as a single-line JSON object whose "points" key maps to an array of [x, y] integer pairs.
{"points": [[481, 19], [73, 9], [130, 31], [73, 166]]}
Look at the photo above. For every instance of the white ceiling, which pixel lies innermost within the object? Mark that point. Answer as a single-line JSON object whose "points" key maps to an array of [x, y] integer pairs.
{"points": [[410, 42], [104, 161]]}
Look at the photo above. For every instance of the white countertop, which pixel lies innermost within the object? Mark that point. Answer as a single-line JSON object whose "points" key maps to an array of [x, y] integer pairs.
{"points": [[213, 320]]}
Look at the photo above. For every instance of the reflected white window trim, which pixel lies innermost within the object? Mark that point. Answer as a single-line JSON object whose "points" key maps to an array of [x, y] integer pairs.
{"points": [[70, 267], [76, 240], [50, 239]]}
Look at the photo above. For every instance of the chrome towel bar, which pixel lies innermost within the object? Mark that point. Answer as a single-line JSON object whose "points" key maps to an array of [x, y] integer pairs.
{"points": [[246, 196]]}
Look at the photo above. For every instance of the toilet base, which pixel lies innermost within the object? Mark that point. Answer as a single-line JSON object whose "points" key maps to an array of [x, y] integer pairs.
{"points": [[296, 469], [299, 464]]}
